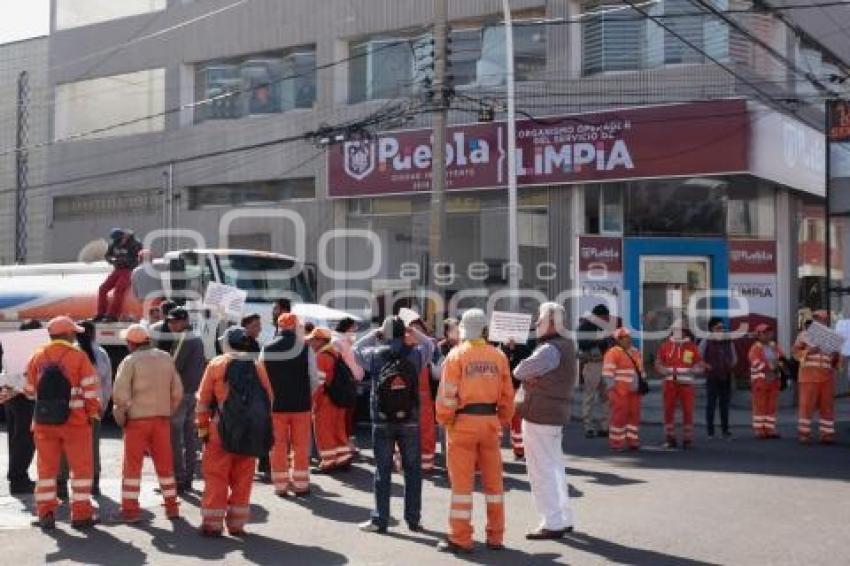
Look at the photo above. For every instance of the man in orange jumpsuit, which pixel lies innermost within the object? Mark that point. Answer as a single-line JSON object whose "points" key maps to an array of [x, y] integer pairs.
{"points": [[147, 392], [291, 367], [622, 366], [677, 361], [818, 370], [427, 422], [74, 435], [228, 477], [474, 402], [765, 358], [328, 418]]}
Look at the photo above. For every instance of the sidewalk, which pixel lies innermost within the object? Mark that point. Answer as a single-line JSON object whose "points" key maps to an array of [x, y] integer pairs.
{"points": [[740, 412]]}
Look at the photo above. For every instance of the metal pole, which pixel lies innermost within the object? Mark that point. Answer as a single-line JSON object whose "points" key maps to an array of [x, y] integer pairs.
{"points": [[513, 231], [22, 168], [437, 219], [828, 212], [171, 207]]}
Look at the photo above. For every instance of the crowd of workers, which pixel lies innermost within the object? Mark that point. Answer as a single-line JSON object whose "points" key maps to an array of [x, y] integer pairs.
{"points": [[273, 401]]}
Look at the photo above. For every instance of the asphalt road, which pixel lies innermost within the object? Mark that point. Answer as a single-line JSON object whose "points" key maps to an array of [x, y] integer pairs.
{"points": [[742, 502]]}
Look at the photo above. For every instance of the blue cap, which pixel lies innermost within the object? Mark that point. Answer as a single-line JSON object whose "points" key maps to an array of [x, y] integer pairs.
{"points": [[115, 233], [235, 337]]}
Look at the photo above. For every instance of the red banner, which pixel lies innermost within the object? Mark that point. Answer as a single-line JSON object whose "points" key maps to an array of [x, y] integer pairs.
{"points": [[656, 141], [752, 256]]}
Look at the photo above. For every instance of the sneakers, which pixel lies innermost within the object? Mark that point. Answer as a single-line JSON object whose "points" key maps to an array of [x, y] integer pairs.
{"points": [[372, 527], [449, 546], [238, 533], [47, 522], [415, 527]]}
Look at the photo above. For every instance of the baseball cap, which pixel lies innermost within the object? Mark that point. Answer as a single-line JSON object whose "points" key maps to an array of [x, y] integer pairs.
{"points": [[178, 313], [287, 321], [472, 324], [319, 333], [235, 337], [63, 325], [135, 334]]}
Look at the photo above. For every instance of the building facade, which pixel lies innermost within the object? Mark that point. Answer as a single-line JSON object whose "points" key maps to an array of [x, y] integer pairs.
{"points": [[646, 170], [28, 57]]}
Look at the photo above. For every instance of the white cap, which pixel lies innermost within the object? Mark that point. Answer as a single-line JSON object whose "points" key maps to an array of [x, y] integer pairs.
{"points": [[472, 324]]}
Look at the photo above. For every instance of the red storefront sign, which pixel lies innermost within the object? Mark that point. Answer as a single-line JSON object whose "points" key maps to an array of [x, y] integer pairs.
{"points": [[600, 253], [658, 141], [752, 257]]}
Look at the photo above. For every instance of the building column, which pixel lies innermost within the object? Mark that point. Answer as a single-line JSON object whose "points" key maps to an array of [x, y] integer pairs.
{"points": [[786, 268]]}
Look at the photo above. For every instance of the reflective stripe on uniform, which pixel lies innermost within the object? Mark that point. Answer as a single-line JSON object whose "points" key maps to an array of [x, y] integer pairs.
{"points": [[132, 482], [461, 498], [214, 513], [80, 497], [45, 496], [460, 514], [45, 483], [494, 498], [81, 483], [447, 402], [129, 494], [87, 381]]}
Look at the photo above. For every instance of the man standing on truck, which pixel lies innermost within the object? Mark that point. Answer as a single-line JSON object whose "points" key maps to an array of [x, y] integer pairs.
{"points": [[123, 255]]}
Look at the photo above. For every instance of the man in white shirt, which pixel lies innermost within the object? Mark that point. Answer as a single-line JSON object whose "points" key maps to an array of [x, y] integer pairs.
{"points": [[842, 327]]}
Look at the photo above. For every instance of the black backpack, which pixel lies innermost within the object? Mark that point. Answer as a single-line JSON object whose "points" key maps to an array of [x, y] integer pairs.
{"points": [[342, 390], [53, 397], [396, 389], [245, 418]]}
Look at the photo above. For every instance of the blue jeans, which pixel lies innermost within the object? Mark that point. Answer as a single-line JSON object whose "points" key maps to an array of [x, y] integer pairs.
{"points": [[384, 439]]}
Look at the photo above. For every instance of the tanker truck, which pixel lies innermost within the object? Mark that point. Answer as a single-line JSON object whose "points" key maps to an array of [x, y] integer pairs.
{"points": [[40, 292]]}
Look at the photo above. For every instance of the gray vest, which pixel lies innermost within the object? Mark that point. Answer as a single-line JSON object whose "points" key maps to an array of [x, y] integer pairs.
{"points": [[548, 400]]}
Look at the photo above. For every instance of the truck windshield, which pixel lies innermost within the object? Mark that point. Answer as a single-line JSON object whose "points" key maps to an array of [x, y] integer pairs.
{"points": [[264, 278]]}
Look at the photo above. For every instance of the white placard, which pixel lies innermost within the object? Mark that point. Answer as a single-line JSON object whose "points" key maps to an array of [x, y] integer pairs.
{"points": [[408, 315], [225, 299], [821, 336], [507, 326], [18, 348]]}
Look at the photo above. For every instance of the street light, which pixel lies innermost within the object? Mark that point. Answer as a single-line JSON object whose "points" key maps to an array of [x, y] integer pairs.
{"points": [[513, 232]]}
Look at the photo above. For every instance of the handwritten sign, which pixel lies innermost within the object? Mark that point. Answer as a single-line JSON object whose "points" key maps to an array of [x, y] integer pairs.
{"points": [[821, 336], [507, 326], [225, 300]]}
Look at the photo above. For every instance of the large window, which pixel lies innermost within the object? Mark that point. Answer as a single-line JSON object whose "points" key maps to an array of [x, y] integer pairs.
{"points": [[74, 13], [529, 53], [132, 103], [751, 209], [258, 192], [383, 67], [265, 83], [613, 38]]}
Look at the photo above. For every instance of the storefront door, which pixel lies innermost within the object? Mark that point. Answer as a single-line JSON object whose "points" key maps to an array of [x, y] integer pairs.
{"points": [[661, 275], [667, 286]]}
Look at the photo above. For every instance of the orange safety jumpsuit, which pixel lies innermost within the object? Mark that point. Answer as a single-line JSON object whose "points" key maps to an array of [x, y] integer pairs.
{"points": [[764, 383], [817, 390], [329, 419], [228, 477], [677, 359], [427, 424], [74, 438], [474, 402], [619, 370]]}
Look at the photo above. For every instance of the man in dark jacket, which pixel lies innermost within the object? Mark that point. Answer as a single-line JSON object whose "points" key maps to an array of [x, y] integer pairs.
{"points": [[718, 352], [293, 375], [374, 351], [174, 336], [594, 338], [123, 255]]}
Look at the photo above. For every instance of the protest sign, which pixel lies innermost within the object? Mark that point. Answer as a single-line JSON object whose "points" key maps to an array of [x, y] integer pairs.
{"points": [[507, 326]]}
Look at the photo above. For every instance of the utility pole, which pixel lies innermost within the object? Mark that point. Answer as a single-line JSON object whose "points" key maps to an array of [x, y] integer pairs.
{"points": [[513, 227], [22, 168], [437, 223]]}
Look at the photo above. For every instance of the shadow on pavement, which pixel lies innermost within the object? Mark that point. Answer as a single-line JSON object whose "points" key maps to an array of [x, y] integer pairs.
{"points": [[184, 540], [620, 554], [331, 506], [95, 546], [743, 455]]}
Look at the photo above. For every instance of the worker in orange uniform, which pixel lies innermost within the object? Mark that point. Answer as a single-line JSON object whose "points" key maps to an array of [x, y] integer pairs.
{"points": [[228, 474], [147, 392], [765, 358], [427, 422], [291, 367], [65, 387], [678, 361], [474, 402], [622, 368], [328, 418], [818, 370]]}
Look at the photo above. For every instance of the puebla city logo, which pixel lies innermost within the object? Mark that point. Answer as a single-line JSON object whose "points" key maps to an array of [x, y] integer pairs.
{"points": [[359, 159]]}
